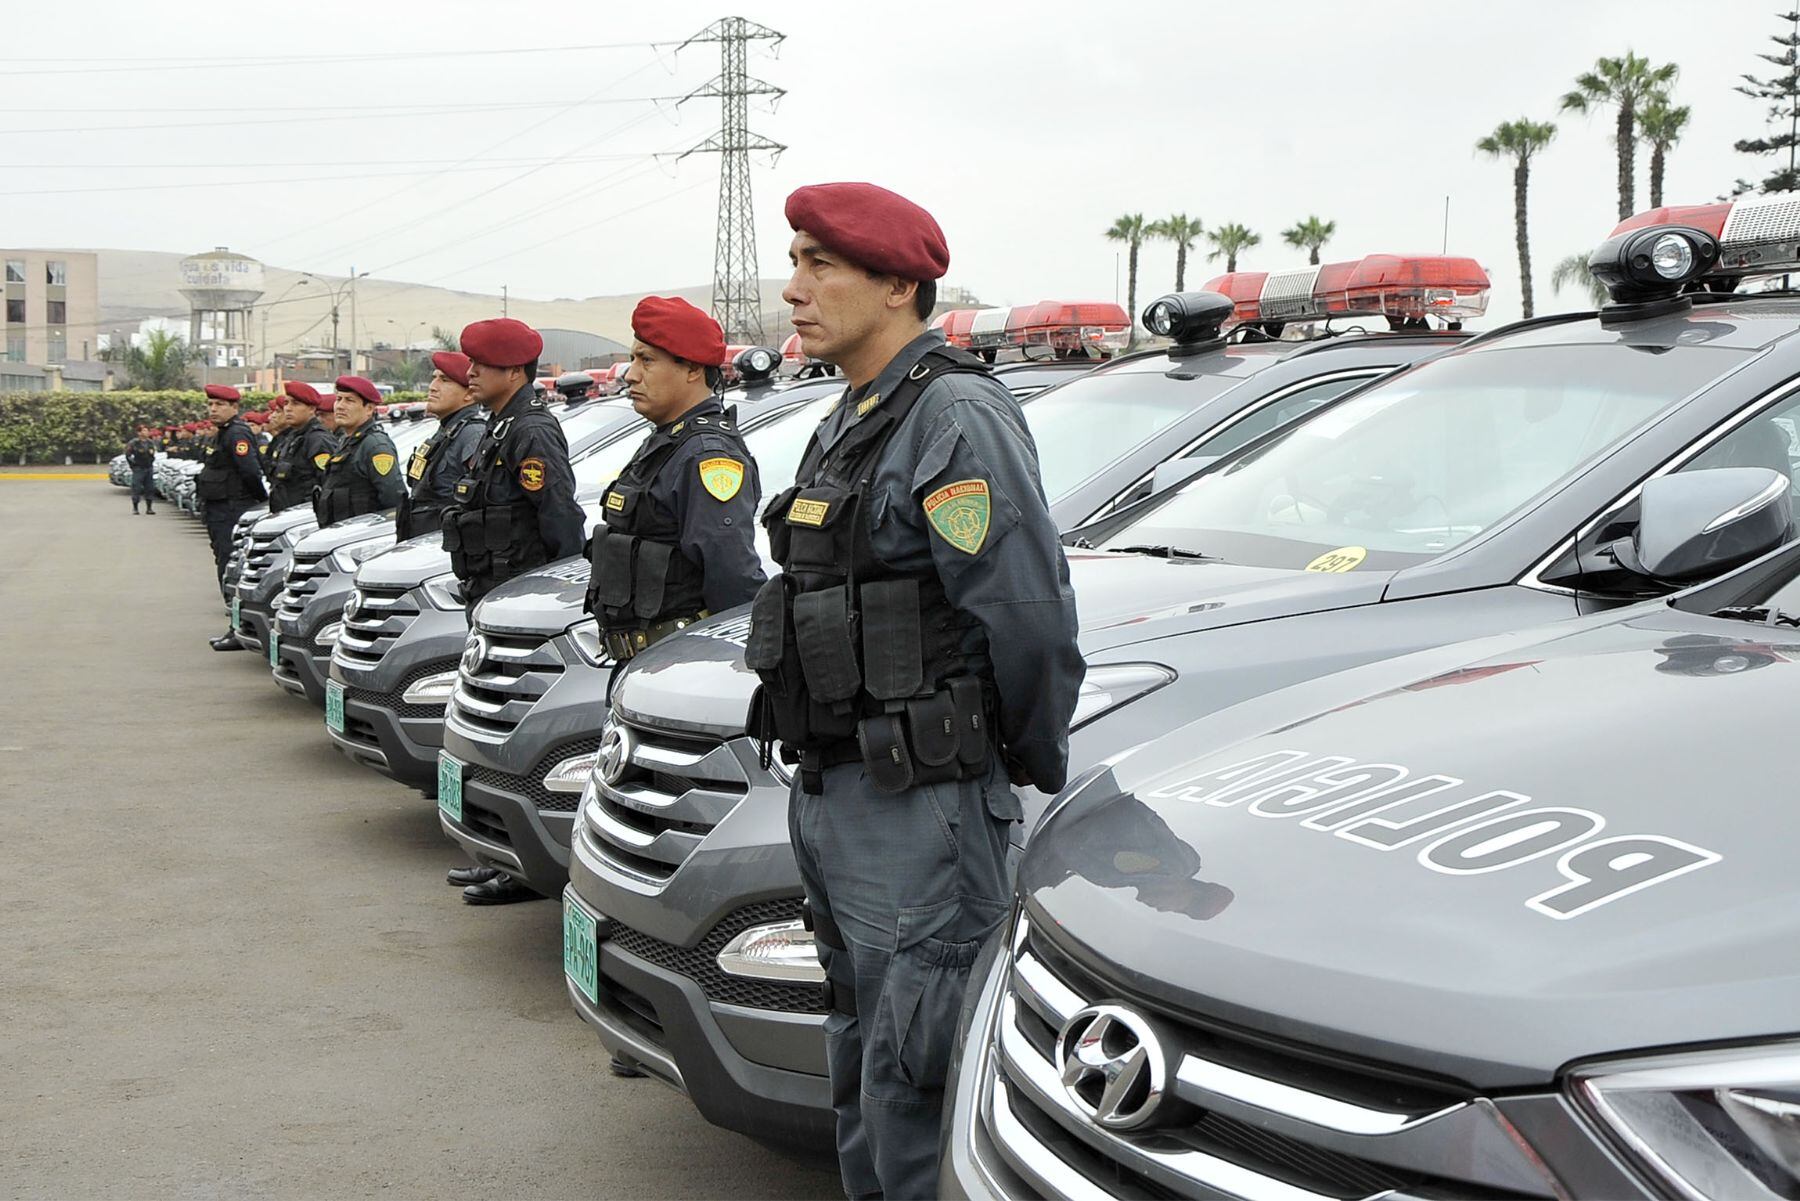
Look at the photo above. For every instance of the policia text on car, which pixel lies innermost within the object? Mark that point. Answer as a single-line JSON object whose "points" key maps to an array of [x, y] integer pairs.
{"points": [[917, 650]]}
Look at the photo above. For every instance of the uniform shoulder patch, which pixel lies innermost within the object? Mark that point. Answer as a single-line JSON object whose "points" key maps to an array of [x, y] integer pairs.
{"points": [[243, 446], [721, 477], [531, 474], [322, 458], [862, 410], [960, 513], [382, 463]]}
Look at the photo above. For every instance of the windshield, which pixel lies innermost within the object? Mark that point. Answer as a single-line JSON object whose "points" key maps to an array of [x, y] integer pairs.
{"points": [[777, 445], [1405, 471], [602, 464], [588, 419], [408, 435]]}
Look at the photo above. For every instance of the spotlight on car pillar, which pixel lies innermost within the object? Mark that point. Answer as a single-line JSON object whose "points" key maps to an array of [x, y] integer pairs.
{"points": [[1191, 320], [756, 363], [1646, 270]]}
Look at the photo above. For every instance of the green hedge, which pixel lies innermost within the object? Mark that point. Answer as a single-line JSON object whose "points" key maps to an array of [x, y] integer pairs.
{"points": [[54, 427]]}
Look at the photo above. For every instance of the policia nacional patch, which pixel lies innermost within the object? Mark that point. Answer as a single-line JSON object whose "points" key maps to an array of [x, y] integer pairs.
{"points": [[721, 477], [960, 513], [381, 463]]}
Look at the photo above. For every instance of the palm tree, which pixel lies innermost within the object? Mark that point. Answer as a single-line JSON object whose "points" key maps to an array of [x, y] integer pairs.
{"points": [[1231, 241], [161, 363], [1310, 235], [1519, 140], [1182, 230], [1661, 125], [1574, 270], [442, 338], [1130, 229], [1627, 83]]}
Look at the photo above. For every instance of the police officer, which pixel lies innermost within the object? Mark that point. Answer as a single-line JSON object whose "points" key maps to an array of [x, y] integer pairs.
{"points": [[443, 458], [679, 540], [917, 652], [307, 451], [140, 456], [276, 427], [230, 482], [363, 473]]}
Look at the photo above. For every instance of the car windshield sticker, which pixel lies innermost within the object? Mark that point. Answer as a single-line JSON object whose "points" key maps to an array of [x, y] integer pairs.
{"points": [[1344, 558], [1459, 829]]}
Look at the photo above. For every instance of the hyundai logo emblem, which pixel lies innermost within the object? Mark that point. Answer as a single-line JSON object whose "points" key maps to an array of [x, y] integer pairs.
{"points": [[473, 654], [1112, 1066], [615, 753]]}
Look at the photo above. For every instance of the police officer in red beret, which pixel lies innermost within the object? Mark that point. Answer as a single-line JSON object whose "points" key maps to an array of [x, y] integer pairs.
{"points": [[230, 483], [678, 540], [917, 656], [276, 427], [443, 458], [363, 473], [515, 509], [301, 463]]}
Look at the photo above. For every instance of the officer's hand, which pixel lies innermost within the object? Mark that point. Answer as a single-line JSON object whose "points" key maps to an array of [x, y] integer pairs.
{"points": [[1015, 771]]}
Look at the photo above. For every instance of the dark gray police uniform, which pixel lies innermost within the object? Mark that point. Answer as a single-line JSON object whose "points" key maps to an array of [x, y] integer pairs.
{"points": [[230, 483], [515, 509], [678, 539], [436, 465], [362, 476], [140, 456], [300, 464], [918, 643]]}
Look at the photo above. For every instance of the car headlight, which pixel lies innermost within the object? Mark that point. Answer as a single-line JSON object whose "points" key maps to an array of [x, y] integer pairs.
{"points": [[1106, 687], [345, 558], [778, 951], [431, 690], [444, 592], [1709, 1123], [327, 637], [584, 636]]}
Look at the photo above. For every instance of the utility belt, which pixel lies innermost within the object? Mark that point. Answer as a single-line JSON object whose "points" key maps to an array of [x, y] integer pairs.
{"points": [[933, 739], [622, 644]]}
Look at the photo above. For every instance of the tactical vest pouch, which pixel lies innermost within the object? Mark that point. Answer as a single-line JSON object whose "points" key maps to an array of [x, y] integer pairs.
{"points": [[931, 728], [766, 648], [886, 757], [612, 568], [497, 529], [893, 664], [214, 483], [774, 520], [827, 644], [818, 531], [619, 506], [651, 580], [974, 741]]}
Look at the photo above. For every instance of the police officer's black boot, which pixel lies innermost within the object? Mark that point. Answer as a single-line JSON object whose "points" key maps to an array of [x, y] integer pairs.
{"points": [[462, 877], [501, 890], [226, 642], [623, 1068]]}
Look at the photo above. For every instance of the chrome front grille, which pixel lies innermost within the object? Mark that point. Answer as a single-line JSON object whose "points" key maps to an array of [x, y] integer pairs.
{"points": [[1242, 1118], [670, 794], [258, 553], [304, 575], [374, 620], [502, 676]]}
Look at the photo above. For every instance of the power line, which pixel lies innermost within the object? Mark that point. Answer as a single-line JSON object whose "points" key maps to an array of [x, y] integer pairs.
{"points": [[267, 181], [373, 112], [212, 63]]}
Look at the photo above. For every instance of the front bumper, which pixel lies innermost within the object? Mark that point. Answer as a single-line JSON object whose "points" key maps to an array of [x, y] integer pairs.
{"points": [[303, 667], [381, 729], [513, 822], [658, 1016], [253, 625]]}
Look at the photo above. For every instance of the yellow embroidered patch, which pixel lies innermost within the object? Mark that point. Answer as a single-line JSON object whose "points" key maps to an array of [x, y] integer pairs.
{"points": [[531, 474], [808, 512], [415, 470], [243, 447], [382, 464], [862, 410], [1344, 558], [721, 477], [960, 513], [615, 502], [322, 458]]}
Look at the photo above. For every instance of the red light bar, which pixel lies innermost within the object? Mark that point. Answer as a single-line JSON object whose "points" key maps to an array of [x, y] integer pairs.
{"points": [[732, 352], [956, 325], [1757, 236], [1377, 285], [790, 350], [1709, 218], [1064, 326]]}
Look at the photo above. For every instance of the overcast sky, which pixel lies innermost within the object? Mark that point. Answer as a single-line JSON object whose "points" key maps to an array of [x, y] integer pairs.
{"points": [[1026, 129]]}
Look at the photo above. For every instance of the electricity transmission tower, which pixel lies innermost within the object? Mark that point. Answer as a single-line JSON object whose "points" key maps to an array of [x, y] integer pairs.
{"points": [[737, 289]]}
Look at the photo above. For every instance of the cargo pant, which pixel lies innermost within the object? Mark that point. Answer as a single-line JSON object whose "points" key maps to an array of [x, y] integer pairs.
{"points": [[912, 884], [143, 486], [221, 517]]}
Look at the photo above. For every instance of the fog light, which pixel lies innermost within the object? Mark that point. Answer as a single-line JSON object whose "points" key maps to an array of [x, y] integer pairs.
{"points": [[431, 690], [328, 636], [571, 775], [778, 951]]}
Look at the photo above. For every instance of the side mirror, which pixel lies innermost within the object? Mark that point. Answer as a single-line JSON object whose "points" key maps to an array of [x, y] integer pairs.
{"points": [[1696, 524], [1177, 471]]}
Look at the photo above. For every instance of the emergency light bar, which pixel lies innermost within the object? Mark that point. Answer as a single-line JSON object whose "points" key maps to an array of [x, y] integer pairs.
{"points": [[956, 324], [791, 352], [1398, 287], [1067, 328], [1757, 236]]}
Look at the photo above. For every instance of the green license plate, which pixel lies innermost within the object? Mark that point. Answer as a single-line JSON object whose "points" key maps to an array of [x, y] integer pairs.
{"points": [[581, 949], [274, 647], [334, 706], [450, 774], [237, 613]]}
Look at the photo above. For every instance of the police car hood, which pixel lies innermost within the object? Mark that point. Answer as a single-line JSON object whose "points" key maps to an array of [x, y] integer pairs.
{"points": [[345, 532], [407, 565], [544, 602], [1127, 598], [282, 522], [1588, 850]]}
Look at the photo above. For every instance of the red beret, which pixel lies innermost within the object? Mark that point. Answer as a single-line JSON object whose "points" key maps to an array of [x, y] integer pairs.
{"points": [[873, 227], [256, 418], [357, 386], [671, 324], [280, 402], [452, 364], [221, 392], [502, 342], [306, 394], [328, 402]]}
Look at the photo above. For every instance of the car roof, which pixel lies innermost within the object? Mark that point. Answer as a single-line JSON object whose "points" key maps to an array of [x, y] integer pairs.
{"points": [[1733, 322]]}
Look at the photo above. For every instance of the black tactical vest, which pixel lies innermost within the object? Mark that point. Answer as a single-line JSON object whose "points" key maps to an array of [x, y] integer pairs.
{"points": [[346, 492], [489, 544], [641, 578], [219, 481], [419, 512], [858, 661], [295, 473]]}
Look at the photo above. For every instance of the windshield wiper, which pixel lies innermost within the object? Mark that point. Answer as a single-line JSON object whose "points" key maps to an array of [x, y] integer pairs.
{"points": [[1761, 614], [1160, 552]]}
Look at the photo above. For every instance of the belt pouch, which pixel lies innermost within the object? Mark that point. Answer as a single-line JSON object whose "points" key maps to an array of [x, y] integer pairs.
{"points": [[827, 647], [612, 568], [891, 639], [974, 740], [651, 582], [931, 728], [498, 524], [884, 751], [767, 643]]}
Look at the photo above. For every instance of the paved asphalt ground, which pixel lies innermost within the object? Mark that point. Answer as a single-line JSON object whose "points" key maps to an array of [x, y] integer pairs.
{"points": [[229, 964]]}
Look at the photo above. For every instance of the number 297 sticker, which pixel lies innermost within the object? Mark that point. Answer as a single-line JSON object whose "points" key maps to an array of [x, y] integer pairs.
{"points": [[1344, 558]]}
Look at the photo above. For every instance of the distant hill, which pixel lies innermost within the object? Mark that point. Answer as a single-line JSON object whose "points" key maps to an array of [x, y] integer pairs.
{"points": [[135, 284]]}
